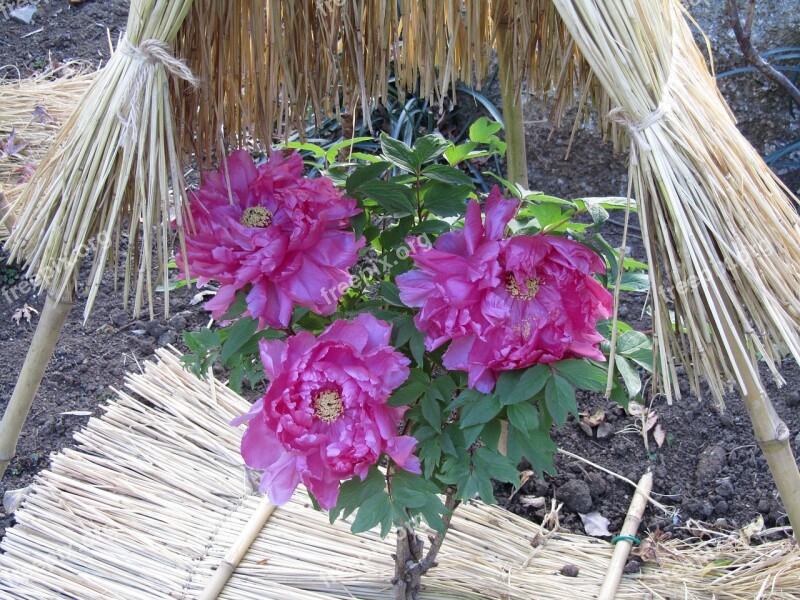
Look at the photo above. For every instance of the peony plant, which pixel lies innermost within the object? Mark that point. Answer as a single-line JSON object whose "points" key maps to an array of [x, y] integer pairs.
{"points": [[414, 340]]}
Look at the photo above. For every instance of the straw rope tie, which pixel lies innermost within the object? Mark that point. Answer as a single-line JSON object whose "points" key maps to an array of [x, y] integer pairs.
{"points": [[152, 52], [636, 128]]}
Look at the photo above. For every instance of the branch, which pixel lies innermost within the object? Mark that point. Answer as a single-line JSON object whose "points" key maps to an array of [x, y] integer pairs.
{"points": [[743, 33]]}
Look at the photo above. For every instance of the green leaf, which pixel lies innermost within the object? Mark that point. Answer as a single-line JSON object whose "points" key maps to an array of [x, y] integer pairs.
{"points": [[427, 148], [596, 211], [391, 293], [372, 511], [638, 347], [447, 174], [536, 447], [413, 388], [432, 411], [482, 410], [445, 200], [363, 174], [523, 416], [559, 397], [398, 153], [397, 200], [417, 346], [353, 493], [483, 130], [238, 335], [433, 226], [456, 154], [635, 282], [333, 151], [519, 386], [582, 374], [317, 151], [498, 466], [629, 375]]}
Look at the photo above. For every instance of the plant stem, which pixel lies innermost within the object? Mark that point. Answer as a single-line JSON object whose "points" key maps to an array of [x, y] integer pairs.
{"points": [[410, 565], [51, 322], [743, 37], [516, 158], [6, 214]]}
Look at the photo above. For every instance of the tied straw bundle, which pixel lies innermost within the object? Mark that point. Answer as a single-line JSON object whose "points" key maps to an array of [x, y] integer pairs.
{"points": [[115, 160], [33, 110], [154, 499], [721, 231]]}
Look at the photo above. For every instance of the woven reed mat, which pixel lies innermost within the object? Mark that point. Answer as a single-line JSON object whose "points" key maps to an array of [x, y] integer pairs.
{"points": [[155, 494]]}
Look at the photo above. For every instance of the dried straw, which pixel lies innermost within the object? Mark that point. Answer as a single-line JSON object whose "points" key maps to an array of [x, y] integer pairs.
{"points": [[115, 160], [721, 231], [325, 58], [155, 496], [34, 109]]}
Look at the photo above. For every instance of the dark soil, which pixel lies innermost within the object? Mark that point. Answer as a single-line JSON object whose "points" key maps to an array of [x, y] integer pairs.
{"points": [[710, 468]]}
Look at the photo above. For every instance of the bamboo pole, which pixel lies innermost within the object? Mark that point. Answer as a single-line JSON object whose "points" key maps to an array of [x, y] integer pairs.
{"points": [[7, 218], [51, 322], [622, 548], [770, 432], [228, 564], [510, 90]]}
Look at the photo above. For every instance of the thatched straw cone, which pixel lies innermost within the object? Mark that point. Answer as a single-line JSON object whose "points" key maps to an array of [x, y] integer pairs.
{"points": [[115, 160], [721, 232]]}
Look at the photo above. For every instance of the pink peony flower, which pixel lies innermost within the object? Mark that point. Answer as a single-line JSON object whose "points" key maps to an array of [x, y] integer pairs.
{"points": [[279, 236], [324, 416], [505, 304]]}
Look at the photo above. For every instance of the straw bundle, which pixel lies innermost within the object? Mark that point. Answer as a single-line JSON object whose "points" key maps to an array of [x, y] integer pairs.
{"points": [[114, 160], [721, 231], [266, 64], [155, 495], [34, 110]]}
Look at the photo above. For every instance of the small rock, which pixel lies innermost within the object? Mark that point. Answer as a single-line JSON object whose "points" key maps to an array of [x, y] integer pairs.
{"points": [[48, 428], [24, 14], [763, 506], [570, 571], [632, 566], [119, 319], [711, 462], [725, 489], [167, 338], [597, 485], [178, 322], [793, 398], [797, 440], [576, 496], [604, 430], [154, 328], [721, 508], [726, 419]]}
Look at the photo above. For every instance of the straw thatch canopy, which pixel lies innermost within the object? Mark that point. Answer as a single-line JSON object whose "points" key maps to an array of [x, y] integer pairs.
{"points": [[155, 495]]}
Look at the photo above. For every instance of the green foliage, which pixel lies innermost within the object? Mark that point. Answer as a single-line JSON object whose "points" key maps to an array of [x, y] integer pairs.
{"points": [[410, 194]]}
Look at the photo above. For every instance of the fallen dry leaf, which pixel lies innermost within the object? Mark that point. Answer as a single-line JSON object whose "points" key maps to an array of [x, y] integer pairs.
{"points": [[595, 524], [40, 115], [9, 145], [659, 435], [26, 312], [748, 531]]}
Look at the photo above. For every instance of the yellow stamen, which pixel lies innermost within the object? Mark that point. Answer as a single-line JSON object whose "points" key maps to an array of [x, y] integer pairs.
{"points": [[328, 405], [532, 285], [256, 216]]}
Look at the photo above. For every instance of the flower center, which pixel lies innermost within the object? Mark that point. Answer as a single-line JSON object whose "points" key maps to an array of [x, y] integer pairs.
{"points": [[328, 405], [531, 287], [256, 216]]}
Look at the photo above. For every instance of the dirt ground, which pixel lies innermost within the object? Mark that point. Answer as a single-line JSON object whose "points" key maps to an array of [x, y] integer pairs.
{"points": [[710, 469]]}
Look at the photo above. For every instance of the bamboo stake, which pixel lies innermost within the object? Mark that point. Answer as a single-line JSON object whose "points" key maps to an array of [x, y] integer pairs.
{"points": [[510, 89], [7, 218], [623, 546], [52, 320], [228, 564]]}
